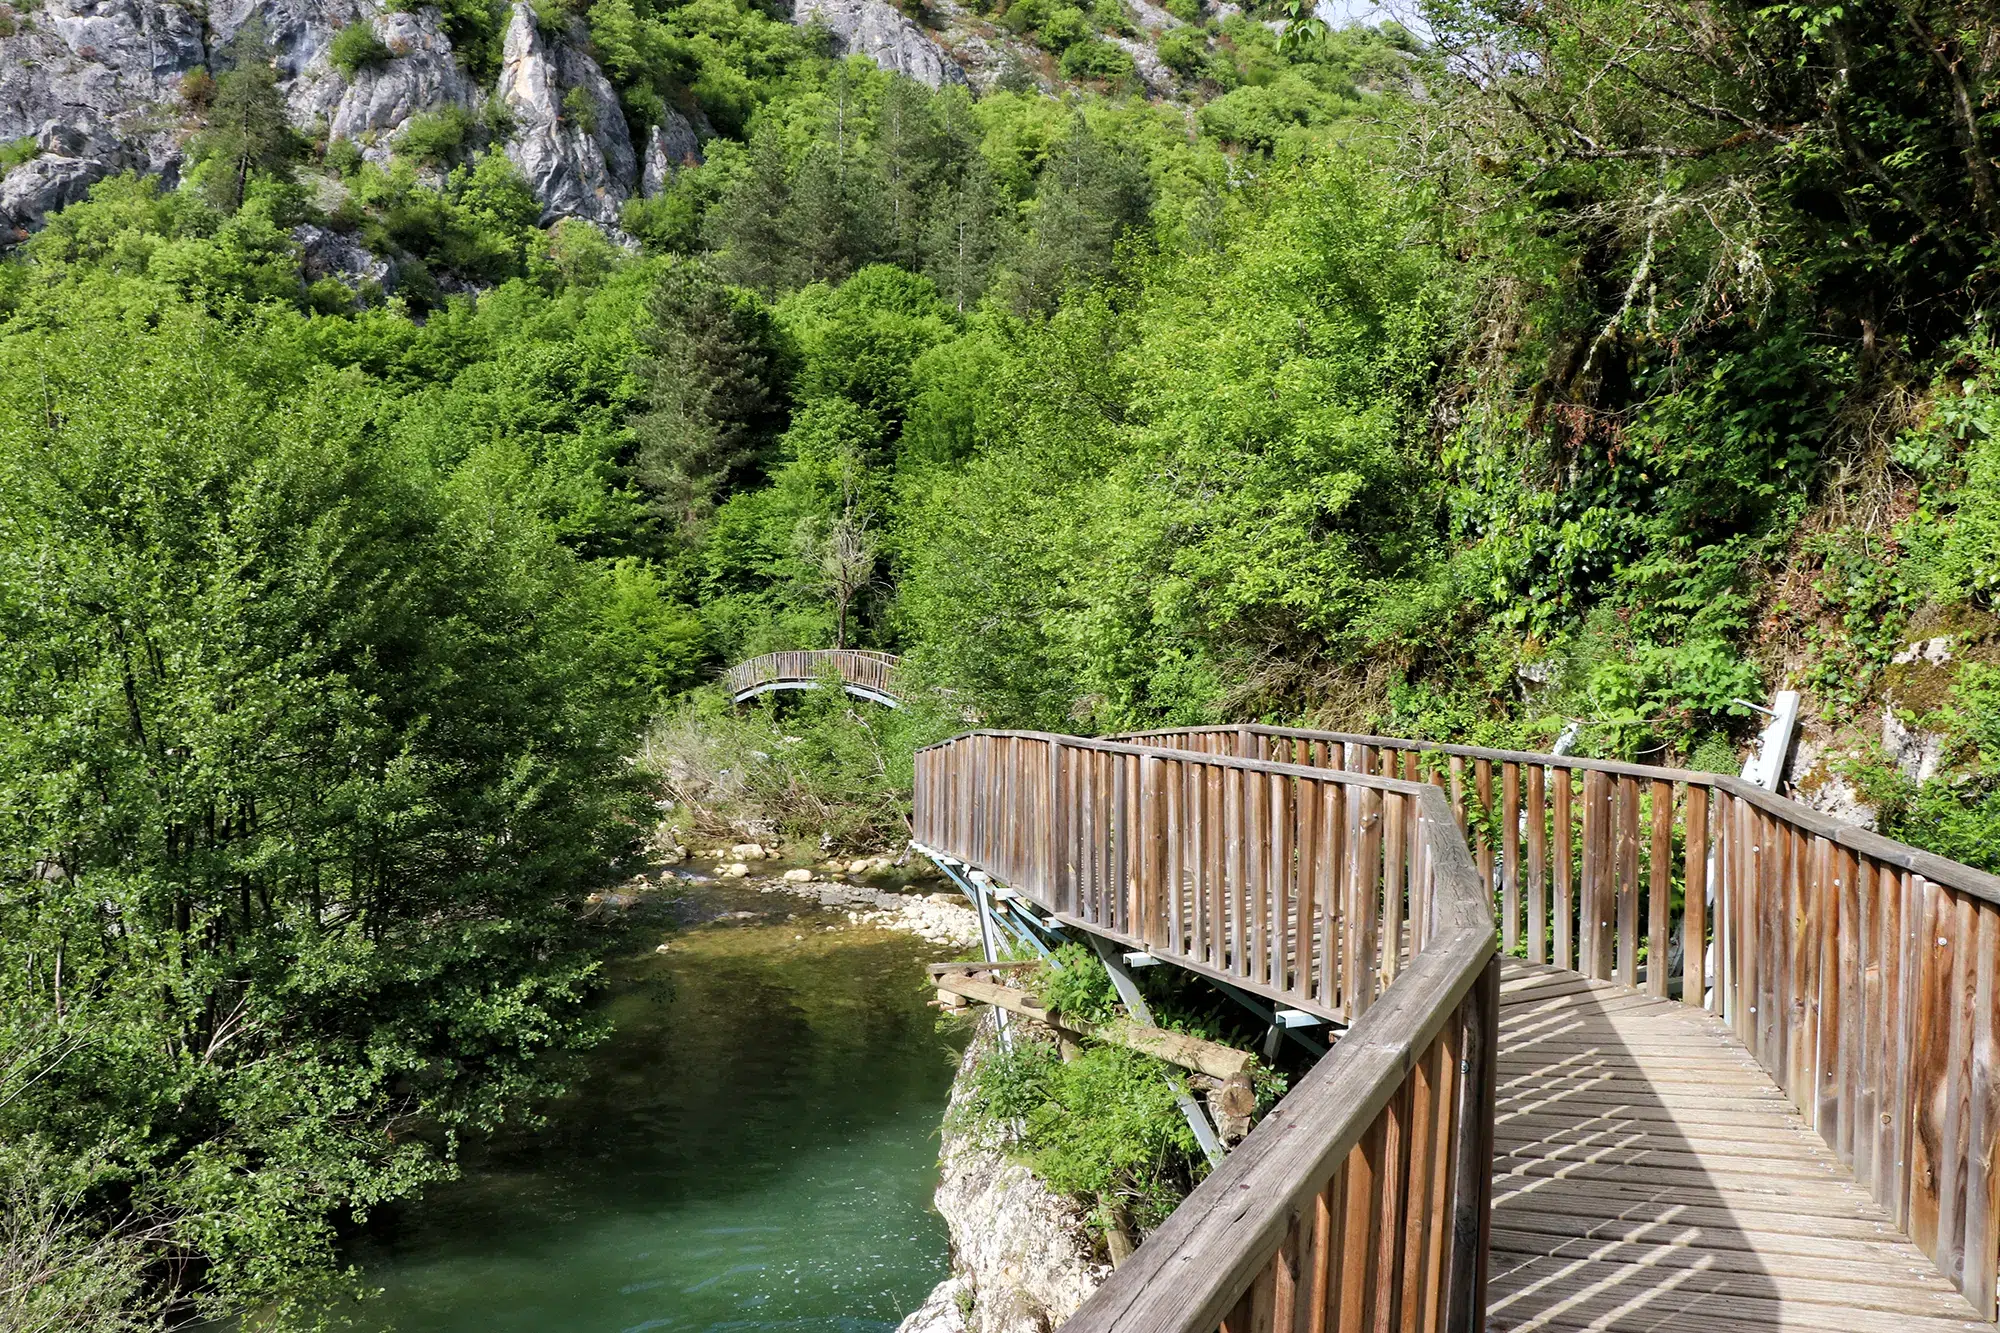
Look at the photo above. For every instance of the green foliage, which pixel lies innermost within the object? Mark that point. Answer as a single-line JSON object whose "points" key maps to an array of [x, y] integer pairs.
{"points": [[1955, 813], [820, 766], [715, 389], [306, 752], [14, 153], [1092, 60], [434, 137], [247, 132], [1183, 50], [356, 47], [579, 109], [61, 1267]]}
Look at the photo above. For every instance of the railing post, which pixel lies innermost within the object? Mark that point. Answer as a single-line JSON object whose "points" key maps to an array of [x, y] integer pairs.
{"points": [[1472, 1203]]}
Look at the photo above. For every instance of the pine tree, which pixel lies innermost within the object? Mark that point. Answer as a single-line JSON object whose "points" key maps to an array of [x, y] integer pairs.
{"points": [[749, 229], [1090, 196], [909, 159], [247, 129], [715, 393]]}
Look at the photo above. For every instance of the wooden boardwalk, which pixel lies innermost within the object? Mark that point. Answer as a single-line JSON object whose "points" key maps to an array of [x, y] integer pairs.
{"points": [[1648, 1175], [1808, 1139]]}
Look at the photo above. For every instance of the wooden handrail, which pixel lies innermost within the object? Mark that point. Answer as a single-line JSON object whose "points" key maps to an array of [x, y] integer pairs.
{"points": [[1861, 973], [1365, 1195]]}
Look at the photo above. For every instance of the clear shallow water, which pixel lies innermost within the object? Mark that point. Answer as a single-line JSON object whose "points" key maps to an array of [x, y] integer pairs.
{"points": [[755, 1148]]}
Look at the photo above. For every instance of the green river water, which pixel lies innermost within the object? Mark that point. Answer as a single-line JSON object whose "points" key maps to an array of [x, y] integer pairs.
{"points": [[754, 1148]]}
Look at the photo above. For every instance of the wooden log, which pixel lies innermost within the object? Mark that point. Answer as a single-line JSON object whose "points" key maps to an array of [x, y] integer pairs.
{"points": [[1177, 1048]]}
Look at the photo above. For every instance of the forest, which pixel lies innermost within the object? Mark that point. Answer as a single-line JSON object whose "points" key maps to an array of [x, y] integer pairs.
{"points": [[1599, 360]]}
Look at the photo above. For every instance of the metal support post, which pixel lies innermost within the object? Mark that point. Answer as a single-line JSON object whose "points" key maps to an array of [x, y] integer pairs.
{"points": [[1135, 1004]]}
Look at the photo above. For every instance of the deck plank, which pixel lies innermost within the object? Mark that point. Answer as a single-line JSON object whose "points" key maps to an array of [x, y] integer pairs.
{"points": [[1648, 1176]]}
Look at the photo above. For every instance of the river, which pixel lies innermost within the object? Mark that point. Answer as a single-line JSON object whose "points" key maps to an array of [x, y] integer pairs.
{"points": [[754, 1148]]}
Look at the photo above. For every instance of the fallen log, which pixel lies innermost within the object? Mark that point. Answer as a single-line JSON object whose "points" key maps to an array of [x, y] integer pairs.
{"points": [[1178, 1048]]}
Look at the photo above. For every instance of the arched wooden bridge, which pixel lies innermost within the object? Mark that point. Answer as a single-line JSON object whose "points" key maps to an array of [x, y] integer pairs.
{"points": [[1559, 1120], [862, 672]]}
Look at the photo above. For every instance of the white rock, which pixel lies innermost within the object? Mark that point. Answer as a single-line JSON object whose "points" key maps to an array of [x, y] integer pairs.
{"points": [[798, 875], [1023, 1251], [880, 31], [573, 170], [669, 147], [748, 851], [734, 870]]}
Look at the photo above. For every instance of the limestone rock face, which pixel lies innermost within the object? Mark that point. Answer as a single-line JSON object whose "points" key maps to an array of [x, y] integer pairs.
{"points": [[1153, 71], [423, 76], [669, 147], [329, 254], [96, 83], [881, 32], [576, 165], [1020, 1254]]}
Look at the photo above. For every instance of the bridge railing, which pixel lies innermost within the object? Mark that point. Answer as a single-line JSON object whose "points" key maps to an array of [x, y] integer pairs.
{"points": [[1363, 1199], [1861, 973], [862, 668]]}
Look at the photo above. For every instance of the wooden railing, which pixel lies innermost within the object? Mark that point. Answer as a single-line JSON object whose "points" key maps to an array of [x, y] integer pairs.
{"points": [[1362, 1201], [861, 671], [1858, 971]]}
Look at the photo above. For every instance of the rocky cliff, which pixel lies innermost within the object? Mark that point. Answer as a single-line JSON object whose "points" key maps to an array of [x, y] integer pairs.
{"points": [[1022, 1258], [98, 86]]}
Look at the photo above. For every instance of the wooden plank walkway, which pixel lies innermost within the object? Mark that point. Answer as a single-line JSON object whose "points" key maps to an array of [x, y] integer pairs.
{"points": [[1648, 1175]]}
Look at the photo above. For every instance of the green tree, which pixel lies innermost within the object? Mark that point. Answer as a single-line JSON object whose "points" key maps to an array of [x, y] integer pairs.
{"points": [[247, 131], [1092, 196], [715, 393], [306, 757]]}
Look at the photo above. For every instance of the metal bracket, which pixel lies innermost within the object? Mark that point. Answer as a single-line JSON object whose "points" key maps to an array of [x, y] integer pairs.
{"points": [[1264, 1011], [1135, 1004], [1140, 959]]}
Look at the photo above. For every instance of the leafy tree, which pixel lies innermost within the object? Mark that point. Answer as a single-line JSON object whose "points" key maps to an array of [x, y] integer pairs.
{"points": [[307, 756]]}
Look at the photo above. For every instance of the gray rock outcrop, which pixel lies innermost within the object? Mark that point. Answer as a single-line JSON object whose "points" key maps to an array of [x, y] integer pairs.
{"points": [[423, 75], [669, 147], [1153, 71], [1022, 1259], [329, 254], [885, 35], [96, 83], [569, 135]]}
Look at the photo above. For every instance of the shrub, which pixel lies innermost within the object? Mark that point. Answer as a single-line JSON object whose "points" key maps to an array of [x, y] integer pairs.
{"points": [[23, 149], [344, 157], [1064, 28], [356, 47], [197, 88], [433, 137], [1095, 59], [1184, 51], [580, 109]]}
